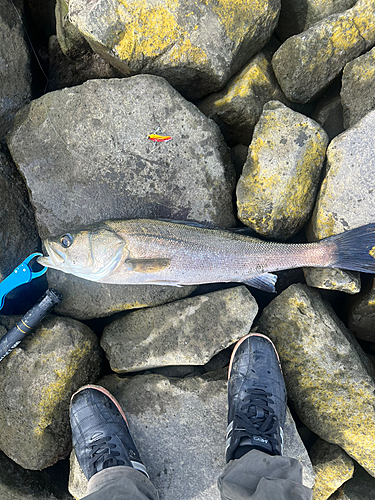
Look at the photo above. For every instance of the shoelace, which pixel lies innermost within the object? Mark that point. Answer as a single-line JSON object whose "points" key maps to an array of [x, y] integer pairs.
{"points": [[256, 417], [103, 454]]}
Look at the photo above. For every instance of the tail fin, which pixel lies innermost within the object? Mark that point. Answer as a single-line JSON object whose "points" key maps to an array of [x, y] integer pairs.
{"points": [[355, 249]]}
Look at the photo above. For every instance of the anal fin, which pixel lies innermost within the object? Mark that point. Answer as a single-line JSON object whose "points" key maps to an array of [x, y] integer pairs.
{"points": [[266, 282]]}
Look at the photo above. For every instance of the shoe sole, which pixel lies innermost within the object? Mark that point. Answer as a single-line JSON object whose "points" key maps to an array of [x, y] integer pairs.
{"points": [[242, 340], [108, 394]]}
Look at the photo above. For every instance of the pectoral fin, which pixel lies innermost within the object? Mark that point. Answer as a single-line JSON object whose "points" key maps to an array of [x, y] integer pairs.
{"points": [[264, 282], [147, 265]]}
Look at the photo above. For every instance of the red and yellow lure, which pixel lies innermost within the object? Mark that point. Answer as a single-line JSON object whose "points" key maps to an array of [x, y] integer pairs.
{"points": [[159, 138]]}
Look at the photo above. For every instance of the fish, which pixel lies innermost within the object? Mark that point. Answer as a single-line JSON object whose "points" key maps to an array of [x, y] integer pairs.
{"points": [[174, 253]]}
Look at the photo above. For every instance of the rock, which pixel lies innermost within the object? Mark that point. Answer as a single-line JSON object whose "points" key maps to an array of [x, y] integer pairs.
{"points": [[66, 72], [238, 106], [362, 316], [333, 279], [297, 16], [89, 144], [361, 487], [294, 447], [332, 467], [329, 379], [306, 64], [73, 45], [85, 299], [18, 233], [276, 192], [39, 377], [186, 332], [196, 47], [162, 414], [17, 483], [329, 115], [346, 198], [358, 88], [15, 76]]}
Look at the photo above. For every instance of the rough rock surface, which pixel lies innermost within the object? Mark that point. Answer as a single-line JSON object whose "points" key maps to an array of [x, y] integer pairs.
{"points": [[277, 189], [362, 316], [15, 76], [18, 234], [327, 375], [332, 467], [17, 483], [196, 47], [294, 447], [237, 107], [85, 299], [170, 419], [358, 88], [346, 198], [39, 376], [186, 332], [66, 72], [333, 279], [89, 144], [307, 63], [361, 487], [298, 15]]}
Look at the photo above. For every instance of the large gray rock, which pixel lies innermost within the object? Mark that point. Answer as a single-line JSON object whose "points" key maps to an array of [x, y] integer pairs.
{"points": [[298, 15], [278, 185], [358, 88], [328, 113], [15, 76], [36, 382], [180, 333], [361, 487], [328, 377], [17, 483], [196, 47], [238, 106], [306, 64], [86, 156], [18, 234], [332, 467], [294, 448], [346, 198], [85, 299], [179, 428], [362, 315]]}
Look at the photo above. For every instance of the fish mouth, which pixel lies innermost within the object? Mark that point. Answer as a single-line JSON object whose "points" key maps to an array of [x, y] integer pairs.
{"points": [[54, 258]]}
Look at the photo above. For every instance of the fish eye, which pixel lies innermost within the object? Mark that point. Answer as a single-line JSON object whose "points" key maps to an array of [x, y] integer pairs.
{"points": [[66, 240]]}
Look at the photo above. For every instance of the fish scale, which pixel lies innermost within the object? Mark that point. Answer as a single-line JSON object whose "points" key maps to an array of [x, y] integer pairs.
{"points": [[146, 251]]}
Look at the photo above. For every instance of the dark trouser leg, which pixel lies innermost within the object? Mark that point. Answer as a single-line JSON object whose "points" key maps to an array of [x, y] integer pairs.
{"points": [[120, 483], [258, 476]]}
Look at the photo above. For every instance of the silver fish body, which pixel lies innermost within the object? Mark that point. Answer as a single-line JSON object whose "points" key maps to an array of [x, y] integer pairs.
{"points": [[144, 251]]}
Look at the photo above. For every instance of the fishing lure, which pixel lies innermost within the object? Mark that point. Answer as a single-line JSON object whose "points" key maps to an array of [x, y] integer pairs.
{"points": [[159, 138]]}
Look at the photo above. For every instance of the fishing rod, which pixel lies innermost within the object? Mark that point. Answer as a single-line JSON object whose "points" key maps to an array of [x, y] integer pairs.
{"points": [[29, 321]]}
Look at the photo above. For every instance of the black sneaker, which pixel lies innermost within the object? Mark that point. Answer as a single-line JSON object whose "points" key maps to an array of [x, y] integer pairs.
{"points": [[101, 437], [256, 398]]}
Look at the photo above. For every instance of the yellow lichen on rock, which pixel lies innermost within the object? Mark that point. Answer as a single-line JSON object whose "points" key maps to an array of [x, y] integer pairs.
{"points": [[329, 379], [253, 75], [237, 16], [275, 193], [148, 29], [54, 393], [332, 467]]}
